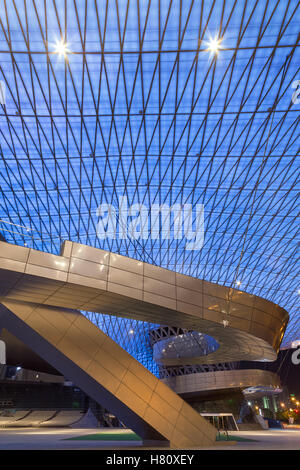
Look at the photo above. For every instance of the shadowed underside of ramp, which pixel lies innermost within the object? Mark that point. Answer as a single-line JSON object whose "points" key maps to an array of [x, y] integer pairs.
{"points": [[38, 289], [107, 373]]}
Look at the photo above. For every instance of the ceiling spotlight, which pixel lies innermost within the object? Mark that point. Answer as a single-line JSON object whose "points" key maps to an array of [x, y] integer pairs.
{"points": [[131, 331], [238, 283], [214, 45], [61, 48]]}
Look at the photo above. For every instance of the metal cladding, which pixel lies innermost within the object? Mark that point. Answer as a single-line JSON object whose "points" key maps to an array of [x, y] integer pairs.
{"points": [[135, 102]]}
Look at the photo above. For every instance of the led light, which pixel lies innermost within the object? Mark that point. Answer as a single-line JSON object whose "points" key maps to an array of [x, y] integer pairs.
{"points": [[131, 331], [238, 283], [61, 48]]}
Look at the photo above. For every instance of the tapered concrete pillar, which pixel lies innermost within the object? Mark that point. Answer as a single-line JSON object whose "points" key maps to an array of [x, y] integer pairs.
{"points": [[107, 373]]}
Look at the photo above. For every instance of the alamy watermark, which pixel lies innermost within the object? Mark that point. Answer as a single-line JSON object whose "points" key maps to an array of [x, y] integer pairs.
{"points": [[163, 222], [2, 92]]}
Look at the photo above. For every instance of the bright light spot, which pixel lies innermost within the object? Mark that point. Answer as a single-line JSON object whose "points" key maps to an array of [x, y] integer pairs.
{"points": [[61, 48], [214, 44], [131, 332], [238, 283]]}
